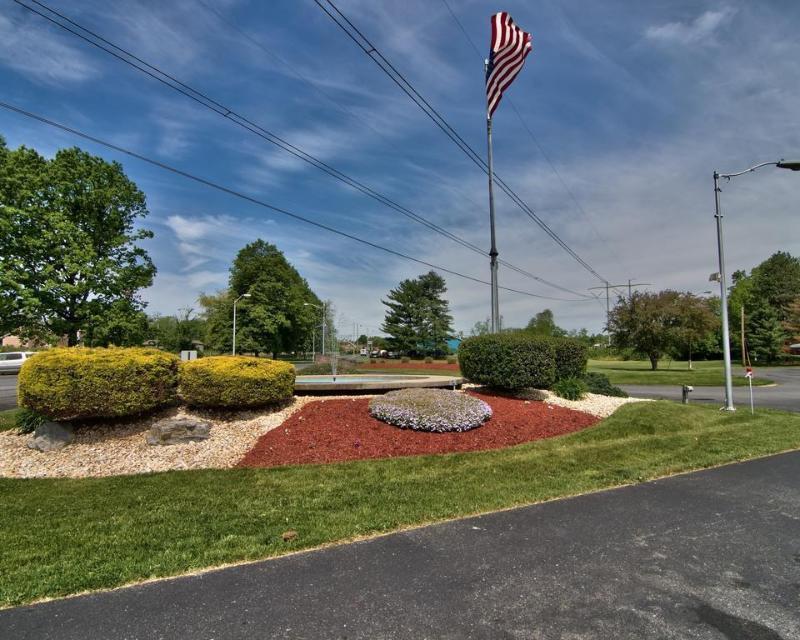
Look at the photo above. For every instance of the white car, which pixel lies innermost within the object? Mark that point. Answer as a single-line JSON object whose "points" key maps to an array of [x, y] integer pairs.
{"points": [[11, 362]]}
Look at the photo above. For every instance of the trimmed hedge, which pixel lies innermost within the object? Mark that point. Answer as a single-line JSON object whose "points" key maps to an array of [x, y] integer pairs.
{"points": [[79, 383], [571, 358], [509, 360], [235, 381]]}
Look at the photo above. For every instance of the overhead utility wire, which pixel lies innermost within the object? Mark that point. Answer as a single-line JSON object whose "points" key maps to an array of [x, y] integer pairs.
{"points": [[376, 56], [528, 129], [208, 102], [256, 201], [344, 109]]}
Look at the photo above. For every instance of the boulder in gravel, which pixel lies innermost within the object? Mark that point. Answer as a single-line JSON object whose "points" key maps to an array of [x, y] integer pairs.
{"points": [[51, 436], [178, 430]]}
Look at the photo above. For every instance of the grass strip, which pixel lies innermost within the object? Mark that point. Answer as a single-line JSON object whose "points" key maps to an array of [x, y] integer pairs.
{"points": [[8, 419], [702, 374], [59, 537]]}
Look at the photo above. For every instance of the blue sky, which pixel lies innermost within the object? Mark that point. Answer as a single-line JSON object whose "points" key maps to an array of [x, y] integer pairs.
{"points": [[634, 104]]}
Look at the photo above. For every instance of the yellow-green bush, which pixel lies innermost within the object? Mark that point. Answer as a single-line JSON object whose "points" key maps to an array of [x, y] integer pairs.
{"points": [[235, 381], [75, 383]]}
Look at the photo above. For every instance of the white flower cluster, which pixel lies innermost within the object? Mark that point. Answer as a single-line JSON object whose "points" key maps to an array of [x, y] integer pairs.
{"points": [[436, 410]]}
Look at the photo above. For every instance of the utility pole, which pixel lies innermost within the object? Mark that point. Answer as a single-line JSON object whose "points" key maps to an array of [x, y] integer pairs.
{"points": [[607, 286]]}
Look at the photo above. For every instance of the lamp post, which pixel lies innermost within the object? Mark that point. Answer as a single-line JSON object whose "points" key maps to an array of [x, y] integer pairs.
{"points": [[723, 292], [244, 295], [310, 304]]}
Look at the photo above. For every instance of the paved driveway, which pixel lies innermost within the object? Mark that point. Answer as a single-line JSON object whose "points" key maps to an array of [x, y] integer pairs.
{"points": [[8, 392], [714, 555], [784, 395]]}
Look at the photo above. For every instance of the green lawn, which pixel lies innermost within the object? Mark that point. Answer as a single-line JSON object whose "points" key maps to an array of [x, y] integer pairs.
{"points": [[7, 419], [703, 374], [59, 537]]}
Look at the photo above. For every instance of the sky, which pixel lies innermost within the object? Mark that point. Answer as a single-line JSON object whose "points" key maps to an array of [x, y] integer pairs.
{"points": [[610, 133]]}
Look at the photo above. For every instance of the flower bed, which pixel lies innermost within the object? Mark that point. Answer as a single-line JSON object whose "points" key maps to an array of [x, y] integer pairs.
{"points": [[411, 364], [434, 410], [336, 430]]}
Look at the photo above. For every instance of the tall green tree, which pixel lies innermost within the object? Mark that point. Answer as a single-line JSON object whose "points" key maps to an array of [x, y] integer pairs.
{"points": [[68, 242], [650, 323], [766, 336], [776, 282], [696, 322], [418, 316], [275, 318], [544, 324]]}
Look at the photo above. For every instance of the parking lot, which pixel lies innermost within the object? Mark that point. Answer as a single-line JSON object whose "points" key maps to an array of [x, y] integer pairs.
{"points": [[8, 392]]}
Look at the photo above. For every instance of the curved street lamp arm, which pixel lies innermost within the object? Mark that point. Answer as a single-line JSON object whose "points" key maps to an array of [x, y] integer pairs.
{"points": [[753, 168]]}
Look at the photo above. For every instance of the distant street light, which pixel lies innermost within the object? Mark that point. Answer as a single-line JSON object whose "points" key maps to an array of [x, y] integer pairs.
{"points": [[726, 345], [244, 295], [313, 353]]}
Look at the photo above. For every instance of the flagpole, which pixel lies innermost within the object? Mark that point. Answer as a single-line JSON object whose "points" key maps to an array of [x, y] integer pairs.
{"points": [[495, 324]]}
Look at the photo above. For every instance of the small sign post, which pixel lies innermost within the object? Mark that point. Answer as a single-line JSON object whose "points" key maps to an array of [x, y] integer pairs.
{"points": [[749, 375]]}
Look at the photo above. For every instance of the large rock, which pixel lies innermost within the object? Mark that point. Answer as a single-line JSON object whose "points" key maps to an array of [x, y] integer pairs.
{"points": [[51, 436], [178, 430]]}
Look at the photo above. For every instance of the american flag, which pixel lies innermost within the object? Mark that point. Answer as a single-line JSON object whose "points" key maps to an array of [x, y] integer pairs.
{"points": [[510, 45]]}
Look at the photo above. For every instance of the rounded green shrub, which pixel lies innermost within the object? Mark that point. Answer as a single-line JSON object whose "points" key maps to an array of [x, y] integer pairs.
{"points": [[434, 410], [428, 360], [571, 358], [570, 388], [600, 384], [235, 382], [79, 383], [452, 360], [405, 359], [509, 360]]}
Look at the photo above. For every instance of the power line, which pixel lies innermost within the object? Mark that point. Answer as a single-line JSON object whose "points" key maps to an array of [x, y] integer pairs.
{"points": [[344, 23], [203, 99], [256, 201]]}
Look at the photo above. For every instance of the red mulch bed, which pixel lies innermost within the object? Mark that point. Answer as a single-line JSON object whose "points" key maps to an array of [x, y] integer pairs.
{"points": [[412, 364], [336, 430]]}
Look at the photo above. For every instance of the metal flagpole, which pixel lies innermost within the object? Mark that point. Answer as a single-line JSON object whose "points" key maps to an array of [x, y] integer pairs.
{"points": [[495, 326]]}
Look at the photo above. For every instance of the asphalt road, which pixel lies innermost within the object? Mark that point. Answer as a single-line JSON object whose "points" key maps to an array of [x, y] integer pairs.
{"points": [[784, 395], [713, 555], [8, 392]]}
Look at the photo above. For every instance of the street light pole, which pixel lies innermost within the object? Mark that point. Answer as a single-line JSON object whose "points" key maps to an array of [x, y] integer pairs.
{"points": [[723, 289], [244, 295], [316, 306]]}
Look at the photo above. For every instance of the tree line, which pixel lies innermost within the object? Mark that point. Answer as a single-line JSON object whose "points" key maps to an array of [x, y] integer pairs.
{"points": [[72, 267]]}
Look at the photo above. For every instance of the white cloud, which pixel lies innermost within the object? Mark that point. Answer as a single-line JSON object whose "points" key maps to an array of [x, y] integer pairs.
{"points": [[39, 53], [700, 29]]}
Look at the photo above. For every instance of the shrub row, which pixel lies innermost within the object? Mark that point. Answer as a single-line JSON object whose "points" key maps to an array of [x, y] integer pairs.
{"points": [[66, 384], [74, 384], [235, 381], [518, 360]]}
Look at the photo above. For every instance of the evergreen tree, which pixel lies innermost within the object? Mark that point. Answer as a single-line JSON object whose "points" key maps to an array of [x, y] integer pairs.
{"points": [[418, 317], [766, 336]]}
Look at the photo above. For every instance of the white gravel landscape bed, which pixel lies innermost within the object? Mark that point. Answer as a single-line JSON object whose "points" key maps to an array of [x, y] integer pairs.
{"points": [[592, 403], [119, 448]]}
